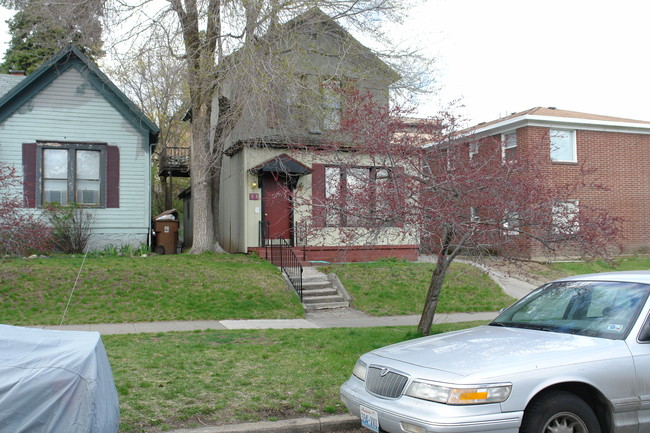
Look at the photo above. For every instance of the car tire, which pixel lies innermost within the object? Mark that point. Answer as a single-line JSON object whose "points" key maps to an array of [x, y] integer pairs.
{"points": [[559, 412]]}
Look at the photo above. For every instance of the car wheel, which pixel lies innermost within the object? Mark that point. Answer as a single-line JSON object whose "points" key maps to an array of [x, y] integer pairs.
{"points": [[559, 412]]}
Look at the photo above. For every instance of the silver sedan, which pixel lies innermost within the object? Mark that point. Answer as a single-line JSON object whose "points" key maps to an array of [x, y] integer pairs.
{"points": [[571, 357]]}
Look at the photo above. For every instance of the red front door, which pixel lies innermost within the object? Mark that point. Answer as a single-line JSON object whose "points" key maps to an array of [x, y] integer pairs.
{"points": [[276, 204]]}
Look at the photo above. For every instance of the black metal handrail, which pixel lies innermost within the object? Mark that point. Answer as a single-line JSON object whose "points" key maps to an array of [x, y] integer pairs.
{"points": [[279, 252]]}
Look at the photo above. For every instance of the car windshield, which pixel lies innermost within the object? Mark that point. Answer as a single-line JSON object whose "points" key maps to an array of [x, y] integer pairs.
{"points": [[595, 308]]}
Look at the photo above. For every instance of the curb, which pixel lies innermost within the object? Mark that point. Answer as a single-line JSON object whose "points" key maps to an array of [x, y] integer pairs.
{"points": [[327, 424]]}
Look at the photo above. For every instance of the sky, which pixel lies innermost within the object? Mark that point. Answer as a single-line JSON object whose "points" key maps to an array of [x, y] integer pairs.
{"points": [[502, 56]]}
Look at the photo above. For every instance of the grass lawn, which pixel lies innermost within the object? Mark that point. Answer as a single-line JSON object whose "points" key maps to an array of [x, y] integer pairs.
{"points": [[389, 287], [129, 289], [170, 380], [619, 264]]}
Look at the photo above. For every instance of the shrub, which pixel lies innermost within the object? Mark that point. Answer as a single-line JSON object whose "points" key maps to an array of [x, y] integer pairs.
{"points": [[21, 231], [71, 225]]}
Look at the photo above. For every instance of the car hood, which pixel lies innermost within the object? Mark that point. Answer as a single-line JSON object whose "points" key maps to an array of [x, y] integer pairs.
{"points": [[489, 351]]}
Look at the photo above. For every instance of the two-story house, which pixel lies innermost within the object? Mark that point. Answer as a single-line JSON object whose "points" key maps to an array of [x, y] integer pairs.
{"points": [[566, 142], [275, 147]]}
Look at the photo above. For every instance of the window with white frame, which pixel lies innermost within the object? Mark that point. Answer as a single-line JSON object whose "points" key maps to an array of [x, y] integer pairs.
{"points": [[509, 145], [510, 140], [72, 173], [474, 215], [510, 223], [563, 145], [473, 148], [565, 217], [332, 190], [343, 184], [449, 156]]}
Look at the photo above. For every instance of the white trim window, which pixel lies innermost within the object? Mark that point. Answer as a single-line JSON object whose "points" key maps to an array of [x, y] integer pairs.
{"points": [[510, 223], [563, 145], [351, 189], [565, 217], [508, 145], [333, 185], [473, 148], [474, 216]]}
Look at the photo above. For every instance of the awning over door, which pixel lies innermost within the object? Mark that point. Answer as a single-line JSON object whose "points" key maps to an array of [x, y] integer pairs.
{"points": [[281, 164]]}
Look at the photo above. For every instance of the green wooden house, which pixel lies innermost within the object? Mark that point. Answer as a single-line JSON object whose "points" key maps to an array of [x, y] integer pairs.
{"points": [[76, 138]]}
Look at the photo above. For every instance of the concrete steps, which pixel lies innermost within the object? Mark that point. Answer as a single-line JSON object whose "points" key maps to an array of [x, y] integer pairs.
{"points": [[320, 291]]}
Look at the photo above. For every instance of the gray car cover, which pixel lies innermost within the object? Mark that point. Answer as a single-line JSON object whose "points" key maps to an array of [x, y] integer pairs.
{"points": [[55, 382]]}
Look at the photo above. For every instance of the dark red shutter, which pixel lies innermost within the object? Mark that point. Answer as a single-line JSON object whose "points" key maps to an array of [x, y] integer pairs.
{"points": [[29, 174], [318, 193], [112, 176]]}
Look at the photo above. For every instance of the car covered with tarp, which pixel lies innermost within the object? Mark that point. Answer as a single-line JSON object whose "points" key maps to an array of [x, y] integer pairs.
{"points": [[55, 382]]}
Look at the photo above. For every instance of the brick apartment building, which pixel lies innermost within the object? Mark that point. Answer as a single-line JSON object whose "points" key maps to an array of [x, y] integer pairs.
{"points": [[567, 141]]}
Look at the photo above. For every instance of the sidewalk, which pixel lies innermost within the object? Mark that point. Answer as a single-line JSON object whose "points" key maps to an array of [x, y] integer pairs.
{"points": [[340, 318]]}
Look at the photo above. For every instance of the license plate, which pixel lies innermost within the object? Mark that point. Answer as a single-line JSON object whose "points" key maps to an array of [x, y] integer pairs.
{"points": [[369, 419]]}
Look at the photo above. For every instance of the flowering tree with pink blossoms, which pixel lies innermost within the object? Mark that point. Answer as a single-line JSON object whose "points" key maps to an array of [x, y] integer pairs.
{"points": [[453, 191]]}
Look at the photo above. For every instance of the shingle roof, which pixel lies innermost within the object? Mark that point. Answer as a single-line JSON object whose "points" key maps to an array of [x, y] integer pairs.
{"points": [[547, 114], [8, 82], [555, 112]]}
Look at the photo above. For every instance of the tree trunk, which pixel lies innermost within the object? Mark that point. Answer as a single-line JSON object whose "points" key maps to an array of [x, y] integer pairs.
{"points": [[203, 236], [438, 277], [216, 197], [431, 302]]}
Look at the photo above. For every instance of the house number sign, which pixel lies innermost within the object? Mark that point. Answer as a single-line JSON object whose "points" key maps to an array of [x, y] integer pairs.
{"points": [[253, 196]]}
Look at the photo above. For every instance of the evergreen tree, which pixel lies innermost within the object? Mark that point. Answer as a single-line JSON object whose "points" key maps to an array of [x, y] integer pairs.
{"points": [[39, 29]]}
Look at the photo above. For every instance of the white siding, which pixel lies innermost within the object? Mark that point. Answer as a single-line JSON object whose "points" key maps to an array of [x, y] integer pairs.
{"points": [[70, 109]]}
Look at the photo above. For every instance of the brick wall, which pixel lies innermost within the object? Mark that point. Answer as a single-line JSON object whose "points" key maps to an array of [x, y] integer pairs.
{"points": [[622, 164]]}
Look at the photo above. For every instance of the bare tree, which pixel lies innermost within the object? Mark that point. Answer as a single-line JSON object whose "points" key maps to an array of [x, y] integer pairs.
{"points": [[157, 82]]}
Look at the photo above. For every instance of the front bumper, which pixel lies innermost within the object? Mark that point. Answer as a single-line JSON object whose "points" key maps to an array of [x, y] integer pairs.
{"points": [[433, 417]]}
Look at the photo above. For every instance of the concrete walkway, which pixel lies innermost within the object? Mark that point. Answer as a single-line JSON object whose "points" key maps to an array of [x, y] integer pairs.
{"points": [[512, 286]]}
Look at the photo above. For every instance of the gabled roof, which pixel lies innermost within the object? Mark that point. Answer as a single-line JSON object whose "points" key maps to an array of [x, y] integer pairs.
{"points": [[72, 57], [551, 116], [316, 17]]}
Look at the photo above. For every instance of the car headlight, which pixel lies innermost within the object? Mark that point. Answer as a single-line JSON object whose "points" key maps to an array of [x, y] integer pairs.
{"points": [[460, 394], [360, 370]]}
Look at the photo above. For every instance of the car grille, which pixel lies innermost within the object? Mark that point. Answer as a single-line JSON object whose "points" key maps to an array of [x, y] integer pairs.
{"points": [[384, 382]]}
